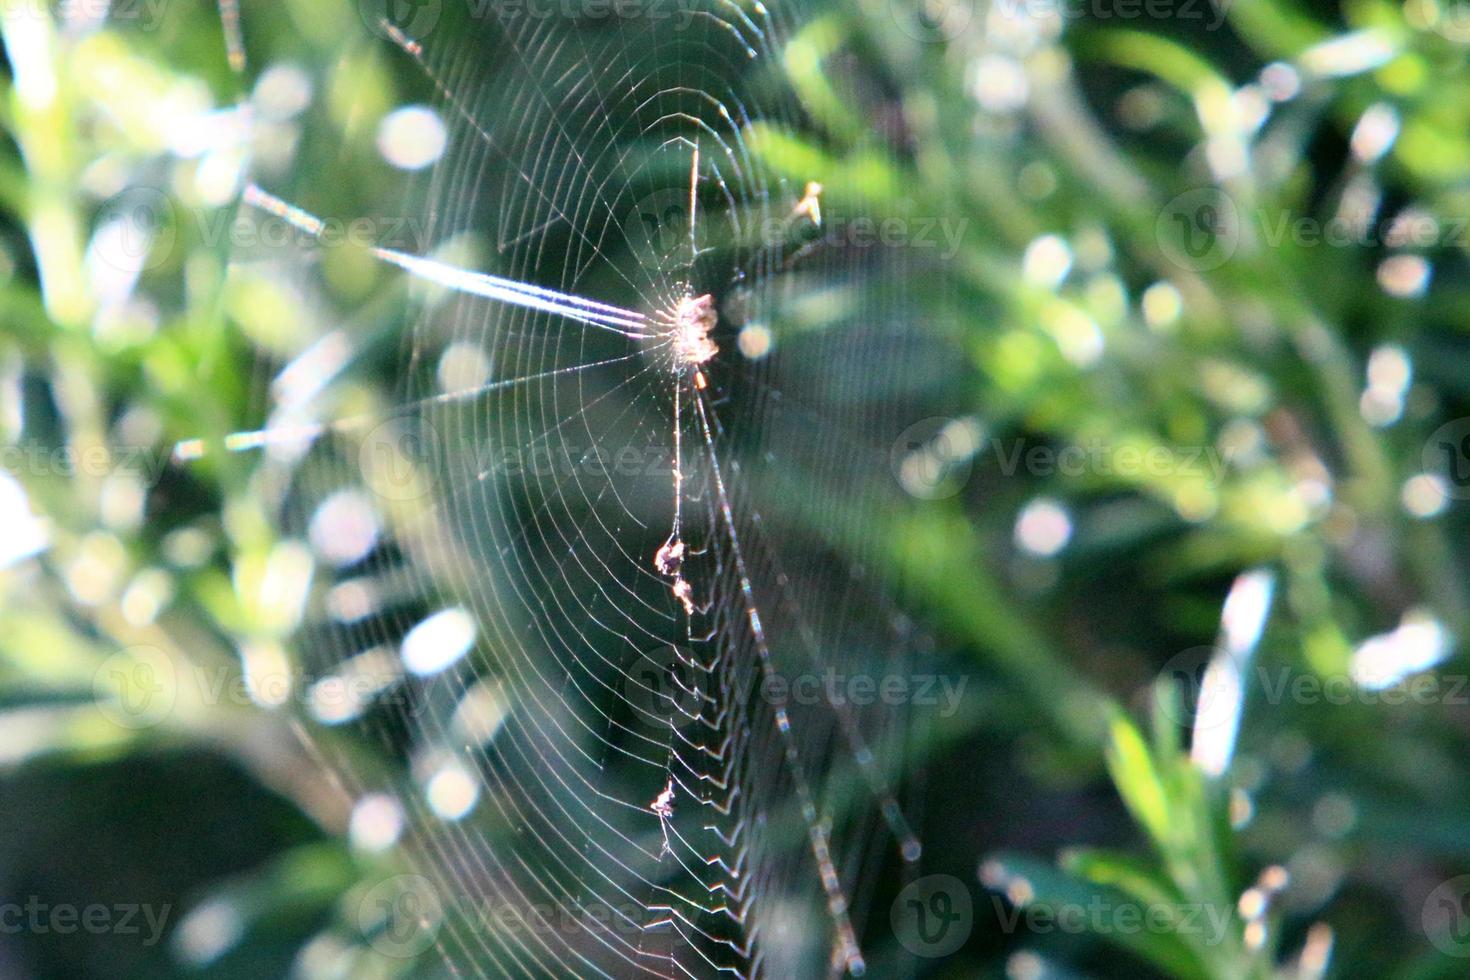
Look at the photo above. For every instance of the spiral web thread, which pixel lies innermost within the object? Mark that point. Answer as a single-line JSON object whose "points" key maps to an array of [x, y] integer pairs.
{"points": [[569, 665]]}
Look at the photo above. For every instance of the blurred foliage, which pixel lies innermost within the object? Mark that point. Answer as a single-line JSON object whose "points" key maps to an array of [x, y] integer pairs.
{"points": [[1091, 161]]}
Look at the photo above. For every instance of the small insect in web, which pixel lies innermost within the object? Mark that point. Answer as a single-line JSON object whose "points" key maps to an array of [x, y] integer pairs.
{"points": [[694, 319], [810, 205], [690, 322], [663, 808], [669, 560]]}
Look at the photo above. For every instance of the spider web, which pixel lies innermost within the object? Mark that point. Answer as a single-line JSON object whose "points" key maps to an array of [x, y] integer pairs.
{"points": [[572, 568]]}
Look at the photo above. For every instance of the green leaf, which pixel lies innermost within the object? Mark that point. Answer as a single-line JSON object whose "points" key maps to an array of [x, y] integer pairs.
{"points": [[1137, 778]]}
